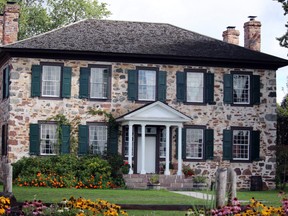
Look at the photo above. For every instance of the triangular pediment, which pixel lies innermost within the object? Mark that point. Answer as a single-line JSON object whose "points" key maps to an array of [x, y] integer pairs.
{"points": [[153, 112]]}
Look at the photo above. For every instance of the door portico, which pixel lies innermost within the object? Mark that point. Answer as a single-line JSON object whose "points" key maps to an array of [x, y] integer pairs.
{"points": [[154, 114]]}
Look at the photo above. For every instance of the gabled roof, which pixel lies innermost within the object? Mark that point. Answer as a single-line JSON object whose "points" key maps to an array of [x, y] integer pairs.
{"points": [[158, 41], [155, 112]]}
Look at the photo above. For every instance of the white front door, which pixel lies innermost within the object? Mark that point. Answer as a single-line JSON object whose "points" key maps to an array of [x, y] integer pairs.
{"points": [[150, 155]]}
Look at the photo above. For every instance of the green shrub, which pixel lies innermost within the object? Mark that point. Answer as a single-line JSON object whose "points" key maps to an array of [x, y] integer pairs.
{"points": [[64, 171]]}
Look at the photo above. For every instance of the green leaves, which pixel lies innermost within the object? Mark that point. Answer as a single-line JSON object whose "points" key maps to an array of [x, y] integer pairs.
{"points": [[39, 16], [284, 39]]}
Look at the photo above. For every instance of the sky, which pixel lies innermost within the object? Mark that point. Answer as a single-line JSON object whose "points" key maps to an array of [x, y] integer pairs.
{"points": [[211, 18]]}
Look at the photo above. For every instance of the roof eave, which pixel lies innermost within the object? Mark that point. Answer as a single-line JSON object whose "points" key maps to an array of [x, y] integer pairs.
{"points": [[141, 58]]}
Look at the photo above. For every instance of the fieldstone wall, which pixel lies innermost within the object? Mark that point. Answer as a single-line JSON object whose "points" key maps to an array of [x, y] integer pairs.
{"points": [[25, 110]]}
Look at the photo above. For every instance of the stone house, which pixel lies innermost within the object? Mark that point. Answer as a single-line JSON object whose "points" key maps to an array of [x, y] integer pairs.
{"points": [[177, 96]]}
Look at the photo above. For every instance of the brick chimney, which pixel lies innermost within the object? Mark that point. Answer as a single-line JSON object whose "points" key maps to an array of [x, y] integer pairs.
{"points": [[9, 23], [252, 34], [231, 35]]}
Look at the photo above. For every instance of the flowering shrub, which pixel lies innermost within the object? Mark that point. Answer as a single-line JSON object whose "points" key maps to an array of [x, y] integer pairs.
{"points": [[187, 170], [65, 171], [4, 204], [72, 207], [228, 210], [254, 208]]}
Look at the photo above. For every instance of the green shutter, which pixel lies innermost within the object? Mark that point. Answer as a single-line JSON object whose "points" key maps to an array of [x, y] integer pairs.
{"points": [[228, 88], [162, 86], [36, 81], [209, 88], [83, 140], [112, 142], [255, 89], [209, 144], [180, 85], [66, 82], [184, 143], [6, 79], [34, 137], [132, 85], [65, 144], [227, 144], [84, 83], [255, 145]]}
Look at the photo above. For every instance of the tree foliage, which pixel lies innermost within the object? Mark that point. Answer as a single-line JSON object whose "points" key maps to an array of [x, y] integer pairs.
{"points": [[39, 16], [284, 39], [282, 122], [282, 144]]}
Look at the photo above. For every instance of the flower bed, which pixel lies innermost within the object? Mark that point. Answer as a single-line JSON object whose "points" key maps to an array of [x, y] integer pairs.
{"points": [[71, 207]]}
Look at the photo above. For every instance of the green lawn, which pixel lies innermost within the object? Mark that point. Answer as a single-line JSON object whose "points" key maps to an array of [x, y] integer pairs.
{"points": [[53, 195]]}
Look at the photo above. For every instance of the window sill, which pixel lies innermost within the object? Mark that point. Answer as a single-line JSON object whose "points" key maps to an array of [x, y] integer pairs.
{"points": [[49, 98], [194, 160], [241, 161]]}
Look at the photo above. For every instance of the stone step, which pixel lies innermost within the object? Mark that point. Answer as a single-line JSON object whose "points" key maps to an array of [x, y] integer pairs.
{"points": [[172, 182]]}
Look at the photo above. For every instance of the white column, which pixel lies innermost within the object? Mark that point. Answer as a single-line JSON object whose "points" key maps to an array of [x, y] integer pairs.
{"points": [[179, 172], [130, 147], [167, 171], [143, 149]]}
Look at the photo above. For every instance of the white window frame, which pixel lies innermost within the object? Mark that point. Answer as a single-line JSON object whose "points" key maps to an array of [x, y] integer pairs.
{"points": [[192, 146], [242, 145], [147, 81], [239, 86], [99, 82], [126, 141], [48, 81], [48, 145], [162, 145], [195, 87], [98, 141]]}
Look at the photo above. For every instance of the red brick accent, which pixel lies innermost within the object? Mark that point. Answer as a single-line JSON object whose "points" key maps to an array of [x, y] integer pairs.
{"points": [[231, 35], [10, 23], [252, 35]]}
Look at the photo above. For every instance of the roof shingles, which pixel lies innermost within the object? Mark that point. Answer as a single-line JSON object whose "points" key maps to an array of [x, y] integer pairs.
{"points": [[122, 37]]}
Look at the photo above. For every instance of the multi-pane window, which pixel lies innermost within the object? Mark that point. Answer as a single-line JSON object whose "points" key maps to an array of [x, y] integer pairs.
{"points": [[99, 83], [98, 139], [194, 143], [48, 139], [195, 87], [162, 147], [146, 85], [95, 82], [126, 141], [241, 142], [51, 79], [241, 89]]}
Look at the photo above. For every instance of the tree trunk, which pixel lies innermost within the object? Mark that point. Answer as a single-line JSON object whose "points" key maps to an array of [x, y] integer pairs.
{"points": [[231, 185], [221, 183], [7, 177]]}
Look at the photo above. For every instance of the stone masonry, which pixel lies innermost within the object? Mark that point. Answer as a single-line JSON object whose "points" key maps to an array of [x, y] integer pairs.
{"points": [[20, 109]]}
